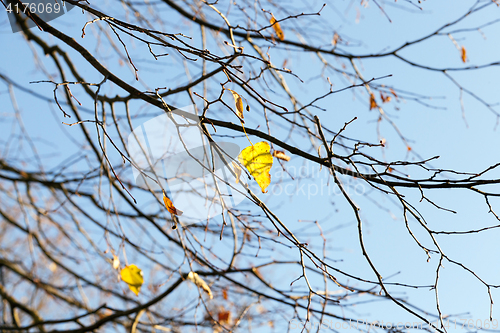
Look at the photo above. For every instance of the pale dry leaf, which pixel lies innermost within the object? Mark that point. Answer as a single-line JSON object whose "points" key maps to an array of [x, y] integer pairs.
{"points": [[53, 267], [335, 39], [280, 154], [197, 280], [116, 262], [238, 103]]}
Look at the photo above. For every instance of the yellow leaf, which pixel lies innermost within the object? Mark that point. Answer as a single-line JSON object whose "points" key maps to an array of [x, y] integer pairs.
{"points": [[277, 28], [238, 102], [197, 280], [279, 154], [464, 54], [170, 206], [132, 275], [258, 161]]}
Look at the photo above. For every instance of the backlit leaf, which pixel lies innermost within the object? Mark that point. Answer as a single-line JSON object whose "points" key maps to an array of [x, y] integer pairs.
{"points": [[170, 206], [277, 28], [258, 161], [132, 275]]}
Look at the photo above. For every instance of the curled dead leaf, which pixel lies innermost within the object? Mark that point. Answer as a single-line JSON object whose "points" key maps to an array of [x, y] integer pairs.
{"points": [[277, 28], [279, 154], [238, 102], [197, 280], [224, 317], [170, 206], [385, 98], [463, 52], [373, 102]]}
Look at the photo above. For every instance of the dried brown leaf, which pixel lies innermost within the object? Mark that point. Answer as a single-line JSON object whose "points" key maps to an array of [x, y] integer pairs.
{"points": [[224, 317], [238, 103], [170, 206], [277, 28], [224, 293], [385, 98], [393, 92], [464, 54], [279, 154], [373, 102]]}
